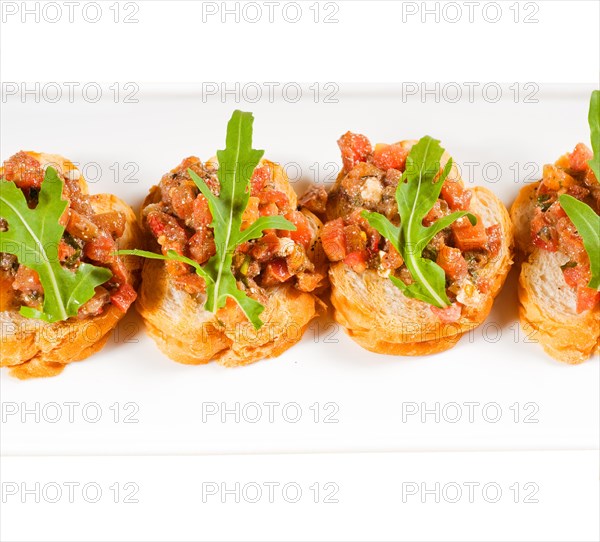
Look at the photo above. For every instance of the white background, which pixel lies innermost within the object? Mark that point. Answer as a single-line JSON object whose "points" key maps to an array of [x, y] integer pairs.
{"points": [[374, 58]]}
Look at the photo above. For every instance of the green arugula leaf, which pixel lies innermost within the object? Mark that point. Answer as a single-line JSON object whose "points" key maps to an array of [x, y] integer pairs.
{"points": [[417, 191], [594, 121], [587, 223], [33, 236], [236, 165]]}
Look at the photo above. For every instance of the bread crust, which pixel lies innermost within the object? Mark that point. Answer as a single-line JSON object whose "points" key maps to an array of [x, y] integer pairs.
{"points": [[378, 316], [34, 348], [546, 303], [187, 333]]}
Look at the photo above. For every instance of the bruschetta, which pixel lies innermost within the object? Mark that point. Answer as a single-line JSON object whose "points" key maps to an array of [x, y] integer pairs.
{"points": [[62, 287], [231, 219], [416, 258], [557, 305]]}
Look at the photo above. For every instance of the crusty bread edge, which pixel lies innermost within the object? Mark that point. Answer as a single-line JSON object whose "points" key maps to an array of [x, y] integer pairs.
{"points": [[568, 338], [33, 348]]}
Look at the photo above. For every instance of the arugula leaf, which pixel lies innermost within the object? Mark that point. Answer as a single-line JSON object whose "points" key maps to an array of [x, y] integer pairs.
{"points": [[417, 191], [236, 165], [587, 223], [594, 121], [33, 236]]}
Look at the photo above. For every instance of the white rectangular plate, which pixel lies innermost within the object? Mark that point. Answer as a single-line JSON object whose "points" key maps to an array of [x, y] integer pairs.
{"points": [[495, 390]]}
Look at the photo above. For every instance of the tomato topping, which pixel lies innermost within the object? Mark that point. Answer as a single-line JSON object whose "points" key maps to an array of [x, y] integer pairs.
{"points": [[123, 297], [268, 209], [452, 262], [544, 234], [334, 240], [260, 177], [265, 247], [355, 148], [202, 245], [27, 281], [276, 272], [555, 178], [578, 159], [303, 233], [587, 298], [112, 222], [391, 259], [277, 197], [356, 239], [447, 315], [100, 249], [468, 237], [65, 251], [439, 209], [390, 156], [494, 234], [201, 215], [457, 198], [578, 276], [357, 260], [24, 170]]}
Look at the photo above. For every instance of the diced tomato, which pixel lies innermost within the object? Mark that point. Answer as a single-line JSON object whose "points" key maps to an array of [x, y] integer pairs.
{"points": [[112, 222], [468, 237], [265, 247], [277, 197], [373, 236], [587, 298], [555, 178], [65, 251], [390, 156], [448, 315], [452, 262], [578, 159], [276, 272], [334, 240], [268, 209], [356, 239], [182, 197], [201, 215], [27, 281], [355, 148], [123, 297], [391, 259], [202, 245], [24, 170], [578, 192], [544, 232], [357, 260], [165, 228], [439, 209], [303, 233], [494, 234], [82, 227], [569, 240], [457, 198], [260, 177], [576, 275], [100, 249]]}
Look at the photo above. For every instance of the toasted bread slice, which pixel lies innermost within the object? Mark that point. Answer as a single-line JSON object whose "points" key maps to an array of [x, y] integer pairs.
{"points": [[34, 348], [377, 315], [547, 303], [187, 333]]}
